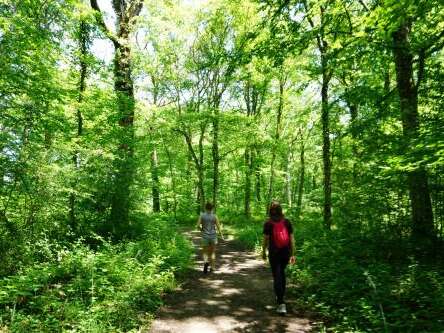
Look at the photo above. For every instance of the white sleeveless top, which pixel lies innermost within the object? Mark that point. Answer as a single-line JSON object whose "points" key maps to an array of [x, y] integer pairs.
{"points": [[208, 224]]}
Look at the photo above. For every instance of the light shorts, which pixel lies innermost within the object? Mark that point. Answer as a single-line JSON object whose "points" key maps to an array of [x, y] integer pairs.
{"points": [[207, 241]]}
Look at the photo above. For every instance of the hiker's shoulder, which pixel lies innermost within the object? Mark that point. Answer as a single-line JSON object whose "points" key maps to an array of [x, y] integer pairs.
{"points": [[288, 223], [267, 222], [267, 225]]}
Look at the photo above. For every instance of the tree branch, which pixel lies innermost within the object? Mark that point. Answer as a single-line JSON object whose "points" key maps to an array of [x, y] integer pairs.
{"points": [[310, 21], [433, 45], [364, 5], [102, 25], [135, 8]]}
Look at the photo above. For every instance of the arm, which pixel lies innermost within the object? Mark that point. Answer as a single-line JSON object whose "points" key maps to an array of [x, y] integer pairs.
{"points": [[265, 242], [199, 224], [219, 228], [292, 250]]}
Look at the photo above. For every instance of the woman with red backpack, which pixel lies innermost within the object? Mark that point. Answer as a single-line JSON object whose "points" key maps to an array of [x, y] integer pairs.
{"points": [[278, 238]]}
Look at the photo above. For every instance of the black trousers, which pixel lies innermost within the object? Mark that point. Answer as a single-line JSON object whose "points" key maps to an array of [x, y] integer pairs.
{"points": [[278, 263]]}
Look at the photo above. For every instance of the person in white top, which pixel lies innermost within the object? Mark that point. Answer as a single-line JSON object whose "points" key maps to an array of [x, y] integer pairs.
{"points": [[207, 224]]}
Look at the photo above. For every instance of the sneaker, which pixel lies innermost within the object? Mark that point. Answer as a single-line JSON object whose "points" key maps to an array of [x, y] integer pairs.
{"points": [[205, 270], [281, 309]]}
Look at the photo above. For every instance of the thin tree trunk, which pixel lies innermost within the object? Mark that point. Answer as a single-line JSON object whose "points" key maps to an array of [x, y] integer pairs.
{"points": [[276, 140], [248, 173], [326, 76], [294, 187], [421, 206], [353, 118], [254, 95], [200, 170], [248, 155], [301, 179], [155, 187], [288, 180], [258, 176], [198, 164], [83, 40], [155, 181], [216, 157], [326, 158], [173, 179]]}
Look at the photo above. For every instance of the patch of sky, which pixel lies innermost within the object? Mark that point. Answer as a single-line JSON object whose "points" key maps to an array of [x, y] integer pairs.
{"points": [[296, 15], [103, 48]]}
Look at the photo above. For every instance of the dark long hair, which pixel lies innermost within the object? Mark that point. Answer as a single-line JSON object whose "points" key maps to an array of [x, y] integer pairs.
{"points": [[209, 207], [275, 211]]}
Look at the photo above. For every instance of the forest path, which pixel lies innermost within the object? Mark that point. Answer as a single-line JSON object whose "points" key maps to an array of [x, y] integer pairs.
{"points": [[237, 297]]}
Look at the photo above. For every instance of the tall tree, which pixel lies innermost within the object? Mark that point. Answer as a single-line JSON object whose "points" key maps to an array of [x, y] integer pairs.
{"points": [[414, 37], [126, 12], [422, 213], [83, 40], [326, 74], [254, 92], [277, 132]]}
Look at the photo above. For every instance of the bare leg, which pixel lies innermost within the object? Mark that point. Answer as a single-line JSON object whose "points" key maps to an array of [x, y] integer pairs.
{"points": [[212, 256], [205, 251]]}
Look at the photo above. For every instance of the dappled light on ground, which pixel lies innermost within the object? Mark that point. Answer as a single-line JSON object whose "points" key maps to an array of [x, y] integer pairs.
{"points": [[237, 297]]}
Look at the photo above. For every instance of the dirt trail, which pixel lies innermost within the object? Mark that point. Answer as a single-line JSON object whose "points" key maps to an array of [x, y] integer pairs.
{"points": [[237, 297]]}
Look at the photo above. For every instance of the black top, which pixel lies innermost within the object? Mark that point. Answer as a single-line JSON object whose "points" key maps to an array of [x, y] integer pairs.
{"points": [[268, 230]]}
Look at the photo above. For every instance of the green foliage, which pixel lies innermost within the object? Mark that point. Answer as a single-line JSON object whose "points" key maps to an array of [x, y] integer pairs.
{"points": [[114, 288], [246, 231], [355, 283], [206, 95]]}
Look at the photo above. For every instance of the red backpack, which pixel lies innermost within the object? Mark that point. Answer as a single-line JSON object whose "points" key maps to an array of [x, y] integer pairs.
{"points": [[280, 235]]}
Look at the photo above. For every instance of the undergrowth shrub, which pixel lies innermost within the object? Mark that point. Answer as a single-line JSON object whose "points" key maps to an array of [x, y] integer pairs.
{"points": [[359, 282], [246, 231], [115, 288], [356, 285]]}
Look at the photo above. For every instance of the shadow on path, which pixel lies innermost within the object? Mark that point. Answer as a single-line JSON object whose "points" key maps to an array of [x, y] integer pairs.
{"points": [[237, 297]]}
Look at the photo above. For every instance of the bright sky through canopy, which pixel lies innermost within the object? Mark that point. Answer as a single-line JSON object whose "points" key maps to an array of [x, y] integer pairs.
{"points": [[103, 48]]}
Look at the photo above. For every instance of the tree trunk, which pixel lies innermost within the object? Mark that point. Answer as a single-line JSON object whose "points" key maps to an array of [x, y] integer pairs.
{"points": [[421, 206], [201, 189], [198, 163], [126, 12], [326, 76], [276, 139], [288, 181], [301, 180], [216, 157], [200, 170], [248, 173], [83, 40], [173, 179], [155, 187], [326, 143], [254, 95], [258, 176], [294, 187], [155, 181], [124, 163], [353, 117]]}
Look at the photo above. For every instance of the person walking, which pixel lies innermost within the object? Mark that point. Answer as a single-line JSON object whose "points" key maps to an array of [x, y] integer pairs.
{"points": [[207, 223], [278, 239]]}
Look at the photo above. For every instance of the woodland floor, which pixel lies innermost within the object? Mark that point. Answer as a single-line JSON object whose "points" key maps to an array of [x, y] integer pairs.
{"points": [[237, 297]]}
